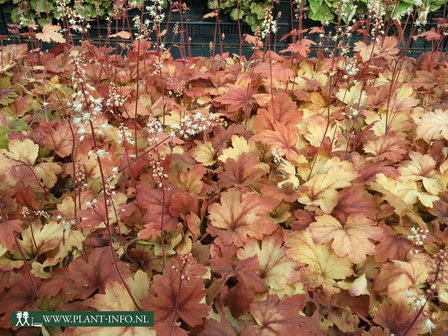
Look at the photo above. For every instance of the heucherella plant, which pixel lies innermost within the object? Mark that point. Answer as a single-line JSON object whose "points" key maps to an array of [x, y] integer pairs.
{"points": [[302, 191]]}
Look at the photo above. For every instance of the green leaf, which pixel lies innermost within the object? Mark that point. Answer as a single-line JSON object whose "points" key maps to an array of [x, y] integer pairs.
{"points": [[44, 6], [44, 153], [5, 82], [53, 199], [324, 13], [252, 21], [234, 14], [316, 6], [258, 10], [7, 96], [43, 21], [403, 7], [4, 137], [18, 125]]}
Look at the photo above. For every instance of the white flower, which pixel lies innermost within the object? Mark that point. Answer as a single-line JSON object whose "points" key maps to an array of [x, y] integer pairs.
{"points": [[77, 121], [86, 116], [101, 152], [429, 325], [77, 106]]}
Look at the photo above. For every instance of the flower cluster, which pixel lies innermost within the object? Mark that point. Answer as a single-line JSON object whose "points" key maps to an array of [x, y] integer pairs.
{"points": [[100, 153], [269, 24], [154, 127], [155, 11], [41, 213], [277, 154], [115, 99], [81, 175], [124, 134], [155, 161], [186, 259], [192, 125], [347, 10], [73, 16], [417, 237], [84, 104], [353, 113], [376, 12], [142, 29], [351, 69], [418, 301]]}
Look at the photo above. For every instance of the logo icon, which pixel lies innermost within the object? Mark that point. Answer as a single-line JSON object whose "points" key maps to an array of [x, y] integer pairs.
{"points": [[22, 320]]}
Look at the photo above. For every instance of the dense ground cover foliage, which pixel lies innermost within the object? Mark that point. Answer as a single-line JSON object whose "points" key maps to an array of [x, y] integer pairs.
{"points": [[280, 195]]}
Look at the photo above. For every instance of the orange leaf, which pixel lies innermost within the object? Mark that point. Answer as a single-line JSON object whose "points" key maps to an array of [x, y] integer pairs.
{"points": [[50, 33], [378, 95], [57, 136], [249, 283], [280, 317], [352, 239], [141, 109], [47, 172], [301, 47], [189, 180], [392, 246], [83, 278], [25, 151], [320, 190], [354, 200], [430, 35], [401, 277], [177, 294], [122, 34], [19, 297], [282, 137], [281, 110], [277, 268], [241, 172], [151, 200], [237, 99], [246, 274], [276, 71], [397, 316], [386, 147], [7, 230], [168, 329], [239, 217], [93, 216]]}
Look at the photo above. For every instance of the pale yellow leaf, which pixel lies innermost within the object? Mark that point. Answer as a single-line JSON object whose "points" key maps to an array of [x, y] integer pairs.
{"points": [[204, 153], [352, 239], [139, 285], [25, 151], [50, 33], [324, 266], [433, 126], [354, 96], [239, 146], [47, 172]]}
